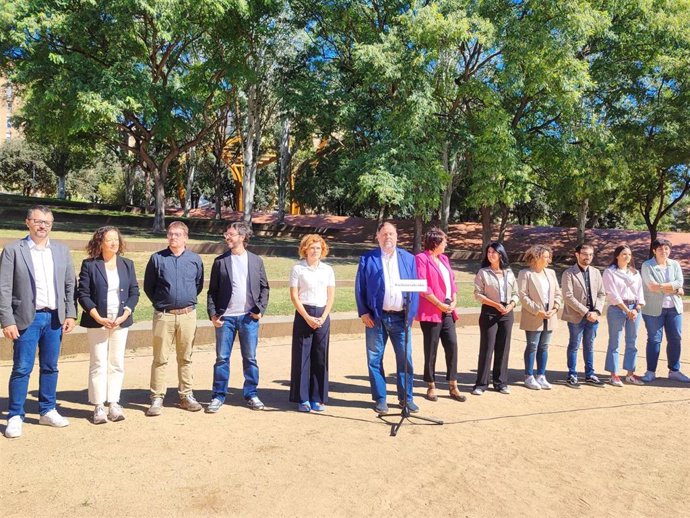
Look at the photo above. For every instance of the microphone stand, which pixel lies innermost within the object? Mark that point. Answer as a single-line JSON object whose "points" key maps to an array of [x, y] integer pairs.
{"points": [[405, 412]]}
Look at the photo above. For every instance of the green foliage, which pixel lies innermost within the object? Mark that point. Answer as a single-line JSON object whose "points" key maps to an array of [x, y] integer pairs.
{"points": [[546, 108], [23, 169]]}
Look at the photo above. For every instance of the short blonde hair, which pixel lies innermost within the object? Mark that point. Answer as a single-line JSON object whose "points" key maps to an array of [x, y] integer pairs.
{"points": [[309, 240], [180, 225], [536, 252]]}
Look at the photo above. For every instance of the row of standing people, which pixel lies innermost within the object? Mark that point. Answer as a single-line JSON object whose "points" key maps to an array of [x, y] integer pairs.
{"points": [[38, 304], [237, 298], [38, 274], [654, 295]]}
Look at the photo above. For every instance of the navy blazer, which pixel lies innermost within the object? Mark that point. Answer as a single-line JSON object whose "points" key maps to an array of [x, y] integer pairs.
{"points": [[220, 284], [370, 285], [93, 289]]}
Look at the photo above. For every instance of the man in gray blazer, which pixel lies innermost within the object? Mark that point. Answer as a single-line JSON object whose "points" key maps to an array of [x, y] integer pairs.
{"points": [[37, 306], [237, 299], [583, 302]]}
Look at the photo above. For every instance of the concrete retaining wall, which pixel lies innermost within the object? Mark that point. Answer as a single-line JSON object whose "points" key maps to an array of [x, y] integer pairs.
{"points": [[271, 327]]}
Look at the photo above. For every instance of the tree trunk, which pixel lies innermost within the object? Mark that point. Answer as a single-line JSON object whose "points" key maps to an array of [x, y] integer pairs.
{"points": [[418, 229], [190, 166], [505, 213], [159, 205], [218, 187], [653, 234], [146, 203], [450, 166], [582, 220], [381, 216], [129, 177], [249, 182], [487, 232], [61, 191], [284, 169], [252, 142]]}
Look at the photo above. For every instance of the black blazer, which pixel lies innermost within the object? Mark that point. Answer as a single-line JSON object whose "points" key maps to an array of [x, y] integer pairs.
{"points": [[220, 285], [93, 289]]}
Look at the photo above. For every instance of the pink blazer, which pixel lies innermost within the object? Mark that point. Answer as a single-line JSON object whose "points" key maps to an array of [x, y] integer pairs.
{"points": [[429, 270]]}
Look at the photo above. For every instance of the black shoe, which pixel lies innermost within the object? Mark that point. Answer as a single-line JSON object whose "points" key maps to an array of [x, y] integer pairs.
{"points": [[572, 381], [593, 380]]}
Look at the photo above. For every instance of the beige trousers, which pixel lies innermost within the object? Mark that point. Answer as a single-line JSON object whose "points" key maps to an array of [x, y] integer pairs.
{"points": [[167, 329]]}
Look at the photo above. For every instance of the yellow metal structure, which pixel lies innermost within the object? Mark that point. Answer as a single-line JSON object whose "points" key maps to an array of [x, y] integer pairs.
{"points": [[234, 159]]}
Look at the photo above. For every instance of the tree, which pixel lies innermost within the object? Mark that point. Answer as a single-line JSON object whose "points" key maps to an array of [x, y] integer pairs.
{"points": [[642, 66], [154, 70], [23, 169]]}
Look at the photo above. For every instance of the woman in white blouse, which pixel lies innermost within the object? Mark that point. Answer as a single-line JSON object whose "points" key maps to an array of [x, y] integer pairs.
{"points": [[108, 292], [312, 291], [623, 286]]}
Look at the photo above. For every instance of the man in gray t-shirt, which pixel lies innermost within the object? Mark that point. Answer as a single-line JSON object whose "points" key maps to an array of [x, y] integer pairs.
{"points": [[237, 299]]}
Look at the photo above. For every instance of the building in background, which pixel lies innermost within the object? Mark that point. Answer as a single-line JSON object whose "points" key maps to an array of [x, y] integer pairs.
{"points": [[8, 106]]}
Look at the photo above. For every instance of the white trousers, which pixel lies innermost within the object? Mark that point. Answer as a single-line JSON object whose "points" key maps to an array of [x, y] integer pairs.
{"points": [[107, 364]]}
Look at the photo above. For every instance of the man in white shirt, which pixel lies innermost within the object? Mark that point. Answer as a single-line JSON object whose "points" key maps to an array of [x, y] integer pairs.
{"points": [[237, 299], [380, 305], [37, 305]]}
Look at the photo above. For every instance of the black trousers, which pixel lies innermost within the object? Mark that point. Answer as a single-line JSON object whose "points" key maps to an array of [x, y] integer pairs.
{"points": [[445, 331], [494, 332], [309, 371]]}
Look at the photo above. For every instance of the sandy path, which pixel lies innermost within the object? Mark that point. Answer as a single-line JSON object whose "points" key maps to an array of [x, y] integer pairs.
{"points": [[596, 451]]}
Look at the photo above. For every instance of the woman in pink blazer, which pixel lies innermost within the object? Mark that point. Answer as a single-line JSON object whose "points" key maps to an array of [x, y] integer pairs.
{"points": [[436, 313]]}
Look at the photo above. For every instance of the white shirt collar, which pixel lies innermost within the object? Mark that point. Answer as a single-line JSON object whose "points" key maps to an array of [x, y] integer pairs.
{"points": [[33, 245]]}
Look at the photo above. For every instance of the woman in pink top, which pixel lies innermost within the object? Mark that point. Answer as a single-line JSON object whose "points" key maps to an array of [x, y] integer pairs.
{"points": [[623, 286], [436, 313]]}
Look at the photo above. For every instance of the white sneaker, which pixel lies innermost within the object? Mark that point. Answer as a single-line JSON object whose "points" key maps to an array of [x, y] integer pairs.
{"points": [[115, 412], [99, 416], [14, 427], [52, 418], [545, 385], [678, 376], [648, 377], [531, 383]]}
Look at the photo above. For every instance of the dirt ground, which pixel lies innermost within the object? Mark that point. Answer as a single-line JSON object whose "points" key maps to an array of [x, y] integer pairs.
{"points": [[600, 451]]}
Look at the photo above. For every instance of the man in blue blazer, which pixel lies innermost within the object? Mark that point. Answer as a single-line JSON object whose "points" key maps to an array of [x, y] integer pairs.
{"points": [[37, 305], [380, 306]]}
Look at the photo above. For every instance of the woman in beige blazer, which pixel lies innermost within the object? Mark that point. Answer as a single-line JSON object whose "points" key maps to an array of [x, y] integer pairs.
{"points": [[540, 296]]}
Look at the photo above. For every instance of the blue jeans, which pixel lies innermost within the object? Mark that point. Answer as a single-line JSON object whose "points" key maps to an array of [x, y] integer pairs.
{"points": [[248, 329], [617, 323], [392, 326], [672, 321], [537, 347], [585, 332], [44, 333]]}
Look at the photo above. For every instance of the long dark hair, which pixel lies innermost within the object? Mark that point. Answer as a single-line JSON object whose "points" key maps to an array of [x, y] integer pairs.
{"points": [[501, 251], [617, 252]]}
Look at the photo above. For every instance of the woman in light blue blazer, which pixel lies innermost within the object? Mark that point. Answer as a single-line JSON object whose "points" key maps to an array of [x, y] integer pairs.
{"points": [[662, 282]]}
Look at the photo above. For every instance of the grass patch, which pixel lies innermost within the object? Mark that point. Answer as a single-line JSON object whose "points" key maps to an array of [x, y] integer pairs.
{"points": [[278, 303]]}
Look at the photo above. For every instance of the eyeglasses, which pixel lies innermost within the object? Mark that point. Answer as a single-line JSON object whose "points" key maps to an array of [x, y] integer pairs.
{"points": [[175, 234], [42, 222], [228, 235]]}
